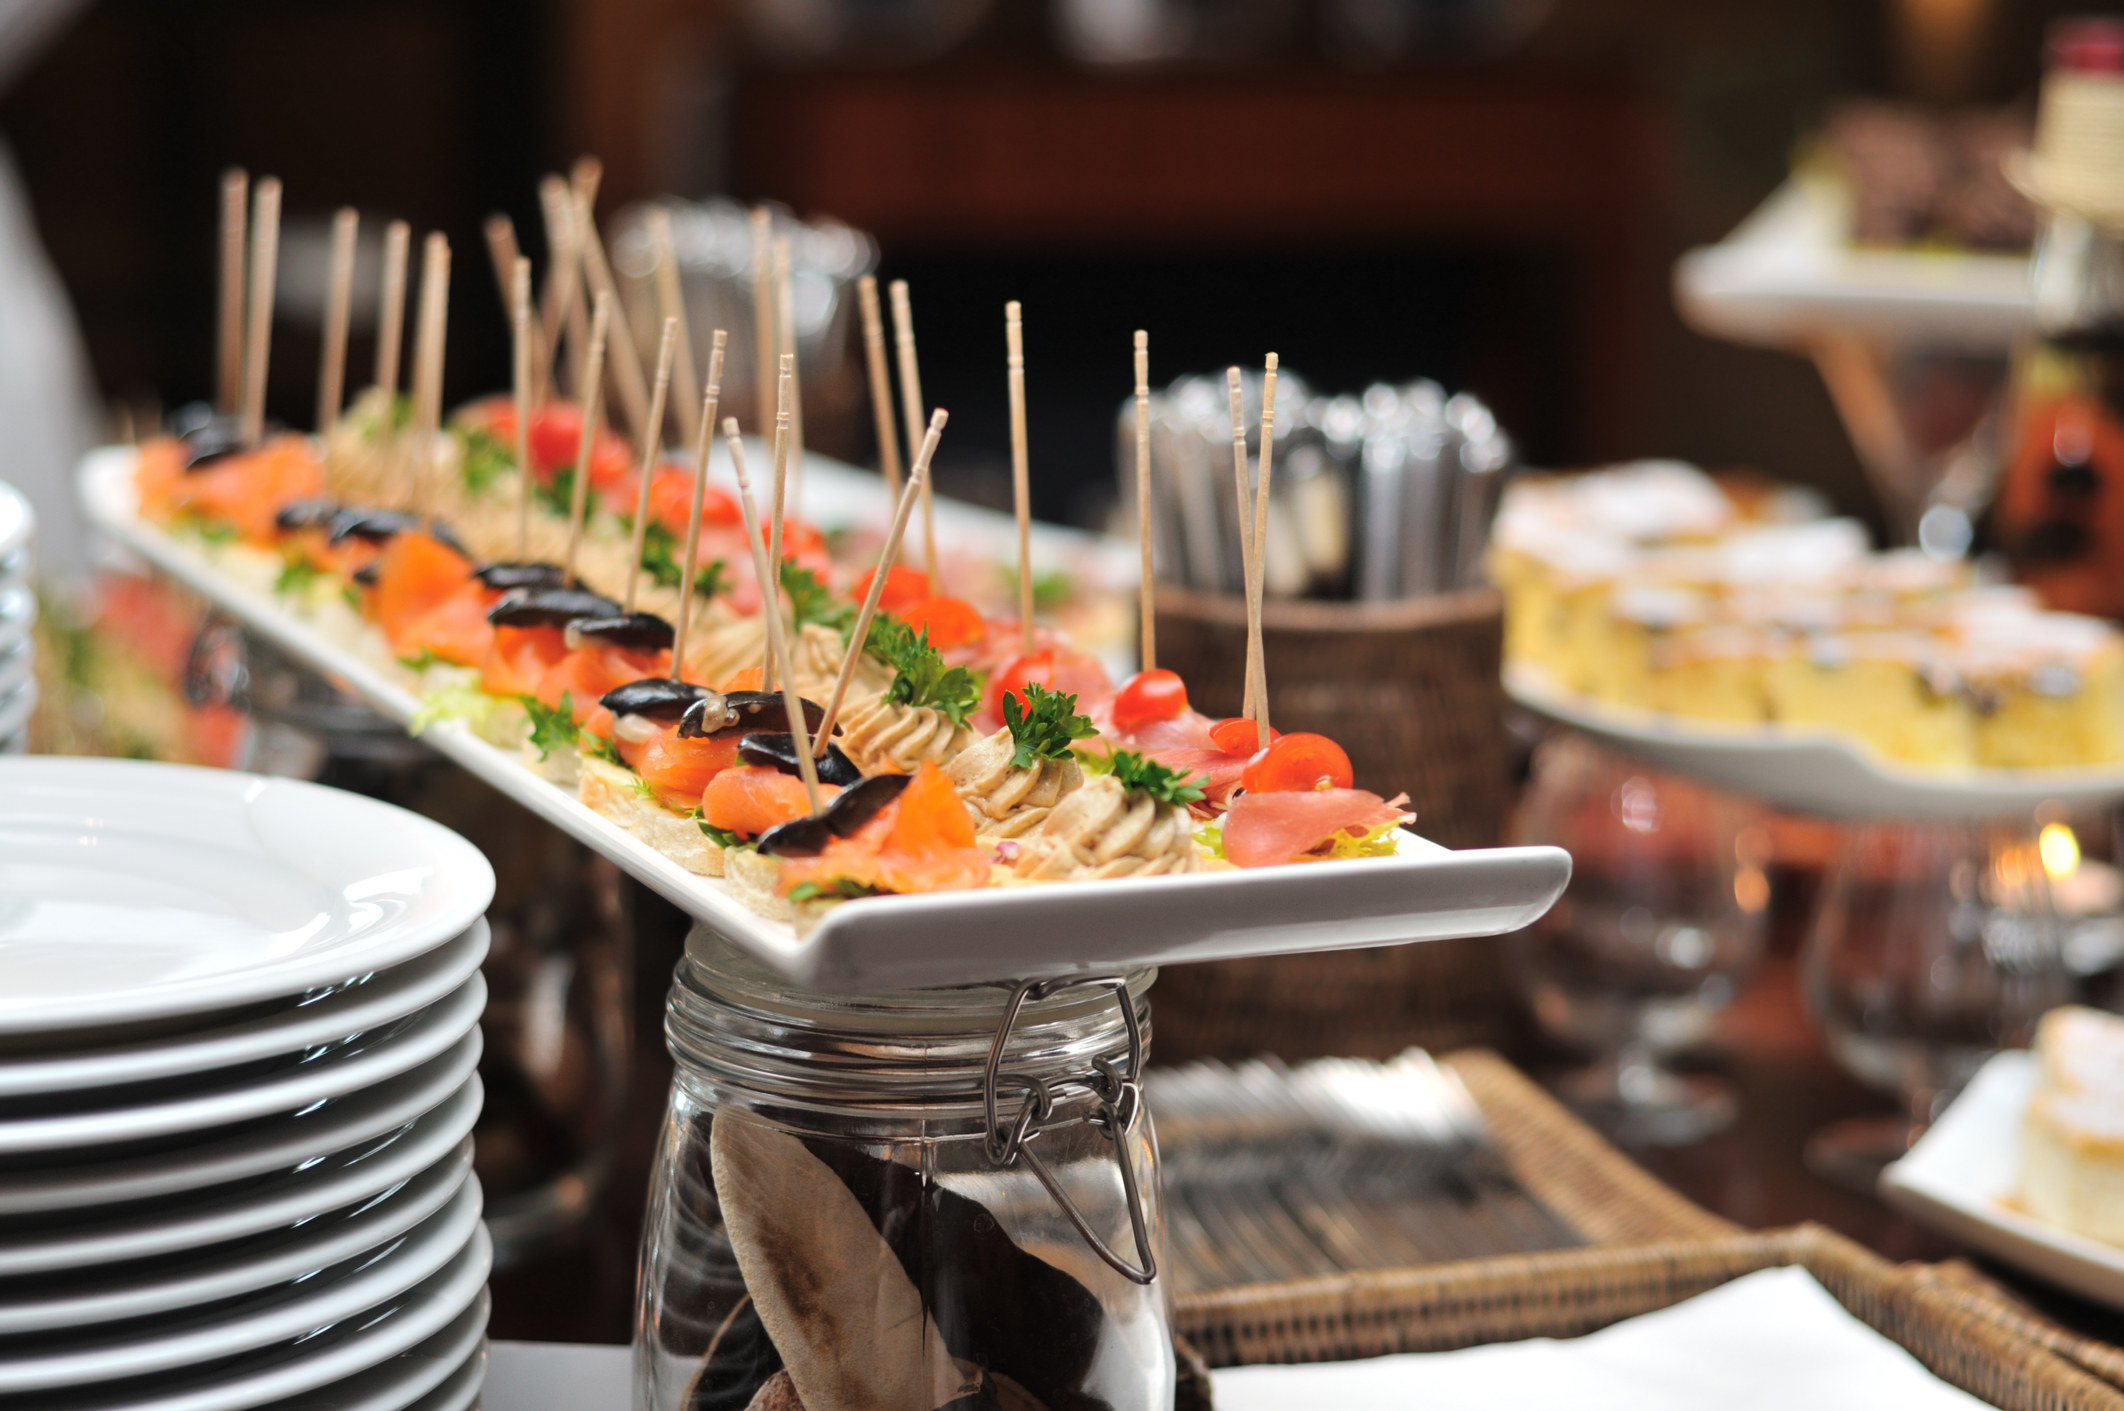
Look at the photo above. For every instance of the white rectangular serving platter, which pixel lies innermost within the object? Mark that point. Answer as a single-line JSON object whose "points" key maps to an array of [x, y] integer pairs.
{"points": [[1425, 893], [1788, 275], [1961, 1176], [1809, 771]]}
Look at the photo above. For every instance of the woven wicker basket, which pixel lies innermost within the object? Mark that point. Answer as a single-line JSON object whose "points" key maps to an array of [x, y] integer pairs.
{"points": [[1566, 1294]]}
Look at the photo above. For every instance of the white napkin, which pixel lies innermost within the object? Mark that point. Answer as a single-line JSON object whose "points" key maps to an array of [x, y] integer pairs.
{"points": [[1773, 1339]]}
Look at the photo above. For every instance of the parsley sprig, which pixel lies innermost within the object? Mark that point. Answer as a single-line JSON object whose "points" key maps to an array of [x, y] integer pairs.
{"points": [[1047, 725], [810, 600], [663, 559], [552, 728], [484, 458], [838, 889], [920, 677], [1139, 774]]}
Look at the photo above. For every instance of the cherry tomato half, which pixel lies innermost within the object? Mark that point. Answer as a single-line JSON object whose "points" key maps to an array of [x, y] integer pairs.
{"points": [[952, 622], [1237, 735], [1297, 763], [904, 587], [1149, 696], [1057, 669], [556, 430]]}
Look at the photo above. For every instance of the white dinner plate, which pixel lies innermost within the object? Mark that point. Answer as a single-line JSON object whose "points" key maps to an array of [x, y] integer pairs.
{"points": [[1423, 893], [116, 1292], [15, 713], [441, 1095], [443, 1372], [1810, 771], [461, 1391], [133, 891], [1961, 1177], [322, 1357], [208, 1217], [326, 1016], [79, 1357], [326, 1072], [17, 521]]}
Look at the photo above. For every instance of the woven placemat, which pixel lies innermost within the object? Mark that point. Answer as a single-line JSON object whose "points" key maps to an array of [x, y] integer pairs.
{"points": [[1573, 1292], [1571, 1168]]}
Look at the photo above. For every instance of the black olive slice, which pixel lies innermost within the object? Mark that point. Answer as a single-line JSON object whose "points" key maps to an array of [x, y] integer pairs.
{"points": [[317, 512], [750, 711], [504, 576], [208, 441], [777, 748], [549, 607], [640, 630], [366, 574], [851, 809], [379, 526], [658, 697], [705, 717]]}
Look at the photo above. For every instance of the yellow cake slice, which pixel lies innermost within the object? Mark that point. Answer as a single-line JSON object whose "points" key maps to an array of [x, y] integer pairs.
{"points": [[2072, 1140], [1893, 691], [2045, 689]]}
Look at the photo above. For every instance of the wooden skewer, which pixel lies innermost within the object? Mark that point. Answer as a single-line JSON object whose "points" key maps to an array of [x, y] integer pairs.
{"points": [[503, 251], [228, 332], [785, 337], [1257, 655], [563, 313], [626, 358], [524, 325], [709, 399], [339, 301], [589, 397], [258, 335], [880, 384], [911, 414], [903, 510], [1148, 593], [671, 303], [391, 310], [771, 604], [428, 370], [1246, 539], [763, 316], [771, 588], [1020, 470], [651, 447]]}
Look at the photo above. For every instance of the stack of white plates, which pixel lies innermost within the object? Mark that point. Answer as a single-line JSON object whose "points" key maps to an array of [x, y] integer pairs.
{"points": [[18, 613], [238, 1032]]}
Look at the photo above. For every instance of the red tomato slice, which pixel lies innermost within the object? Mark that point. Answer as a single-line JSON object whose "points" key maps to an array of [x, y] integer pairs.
{"points": [[1056, 668], [1149, 696], [1297, 763], [1236, 734], [556, 430], [904, 587], [952, 622]]}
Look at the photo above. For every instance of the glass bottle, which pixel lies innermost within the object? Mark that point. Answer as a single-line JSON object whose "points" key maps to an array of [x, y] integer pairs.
{"points": [[903, 1199], [2060, 510]]}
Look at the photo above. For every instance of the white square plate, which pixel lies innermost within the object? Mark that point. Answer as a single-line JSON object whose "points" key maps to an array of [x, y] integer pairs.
{"points": [[1961, 1175]]}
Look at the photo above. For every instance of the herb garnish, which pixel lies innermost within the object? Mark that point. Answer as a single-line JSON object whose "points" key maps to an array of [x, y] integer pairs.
{"points": [[296, 576], [721, 837], [558, 493], [1139, 774], [810, 600], [484, 459], [552, 728], [663, 561], [920, 677], [839, 889], [1044, 729]]}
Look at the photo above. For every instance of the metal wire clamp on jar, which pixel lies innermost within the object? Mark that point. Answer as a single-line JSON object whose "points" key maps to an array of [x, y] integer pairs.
{"points": [[918, 1198]]}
